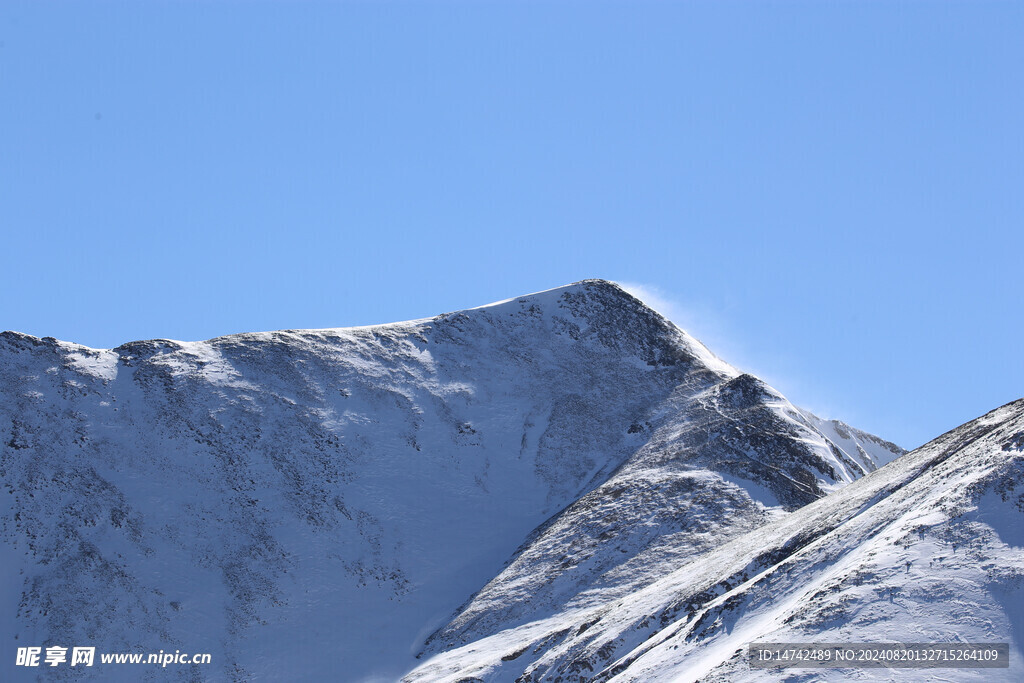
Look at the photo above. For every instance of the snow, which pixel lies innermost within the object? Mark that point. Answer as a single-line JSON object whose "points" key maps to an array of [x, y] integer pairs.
{"points": [[862, 447], [906, 554], [98, 364], [333, 504]]}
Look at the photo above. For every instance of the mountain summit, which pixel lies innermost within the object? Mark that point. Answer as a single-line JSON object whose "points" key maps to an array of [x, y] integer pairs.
{"points": [[310, 504]]}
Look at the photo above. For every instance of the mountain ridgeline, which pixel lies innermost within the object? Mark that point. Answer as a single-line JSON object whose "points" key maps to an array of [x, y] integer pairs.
{"points": [[531, 490]]}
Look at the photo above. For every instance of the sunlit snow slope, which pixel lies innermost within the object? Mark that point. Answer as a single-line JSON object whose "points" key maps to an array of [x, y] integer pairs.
{"points": [[327, 504], [927, 549]]}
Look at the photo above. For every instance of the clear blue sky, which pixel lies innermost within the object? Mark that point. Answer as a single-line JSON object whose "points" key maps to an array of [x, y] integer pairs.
{"points": [[831, 195]]}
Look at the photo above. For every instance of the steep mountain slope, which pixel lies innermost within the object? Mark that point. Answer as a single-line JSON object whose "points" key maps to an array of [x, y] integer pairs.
{"points": [[927, 549], [868, 450], [720, 462], [307, 504]]}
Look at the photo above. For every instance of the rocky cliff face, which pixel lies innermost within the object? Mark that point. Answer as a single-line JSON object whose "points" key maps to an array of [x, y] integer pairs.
{"points": [[320, 503]]}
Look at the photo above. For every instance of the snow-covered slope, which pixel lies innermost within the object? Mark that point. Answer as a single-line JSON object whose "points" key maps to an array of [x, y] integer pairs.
{"points": [[927, 549], [719, 462], [867, 449], [314, 504]]}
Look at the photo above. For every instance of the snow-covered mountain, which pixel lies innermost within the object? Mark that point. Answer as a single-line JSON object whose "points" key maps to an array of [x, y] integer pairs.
{"points": [[927, 549], [329, 504]]}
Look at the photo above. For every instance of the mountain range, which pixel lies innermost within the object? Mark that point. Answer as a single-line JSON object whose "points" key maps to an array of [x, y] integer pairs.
{"points": [[563, 486]]}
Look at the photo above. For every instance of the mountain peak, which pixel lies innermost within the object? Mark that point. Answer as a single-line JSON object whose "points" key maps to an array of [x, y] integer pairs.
{"points": [[609, 314], [594, 290], [407, 462]]}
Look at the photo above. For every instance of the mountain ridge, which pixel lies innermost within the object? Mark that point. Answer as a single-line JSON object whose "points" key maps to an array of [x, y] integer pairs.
{"points": [[407, 461], [806, 578]]}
